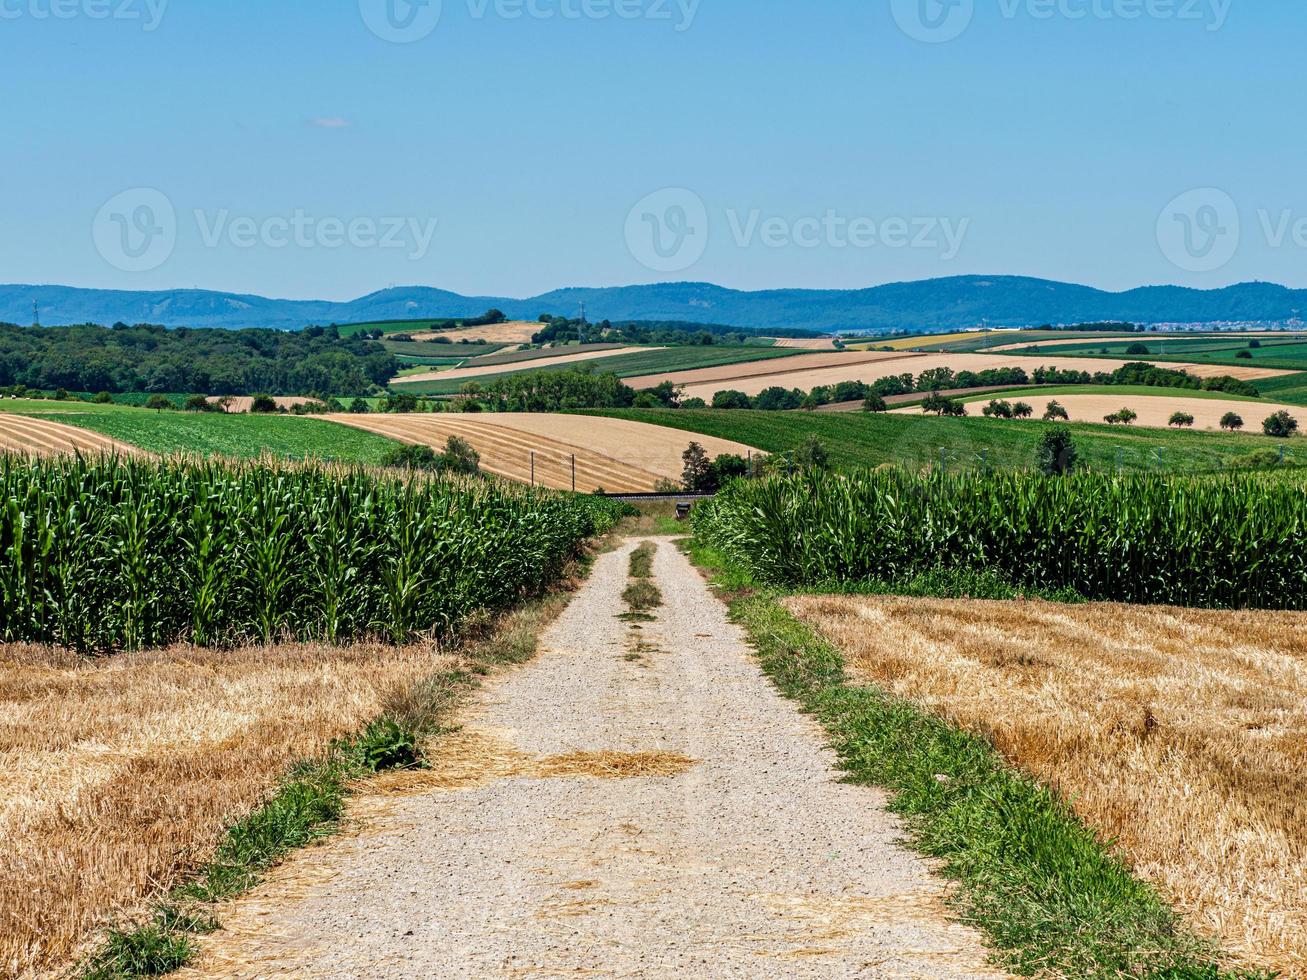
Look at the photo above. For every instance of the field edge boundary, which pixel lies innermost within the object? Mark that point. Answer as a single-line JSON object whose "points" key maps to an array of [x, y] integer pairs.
{"points": [[309, 803], [973, 814]]}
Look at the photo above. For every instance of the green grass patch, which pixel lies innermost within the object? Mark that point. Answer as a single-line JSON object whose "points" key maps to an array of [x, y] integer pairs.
{"points": [[642, 560], [858, 439], [216, 434], [1288, 388], [430, 348], [1044, 888]]}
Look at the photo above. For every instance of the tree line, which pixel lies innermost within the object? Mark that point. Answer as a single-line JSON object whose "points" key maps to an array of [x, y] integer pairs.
{"points": [[150, 358]]}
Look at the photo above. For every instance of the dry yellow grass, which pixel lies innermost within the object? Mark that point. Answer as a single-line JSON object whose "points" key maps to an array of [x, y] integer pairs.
{"points": [[1181, 734], [118, 775], [40, 437], [513, 332]]}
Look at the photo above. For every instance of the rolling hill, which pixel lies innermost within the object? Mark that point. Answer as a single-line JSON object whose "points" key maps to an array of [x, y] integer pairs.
{"points": [[960, 301]]}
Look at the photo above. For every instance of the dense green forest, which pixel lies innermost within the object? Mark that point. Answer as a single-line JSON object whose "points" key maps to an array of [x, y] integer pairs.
{"points": [[150, 358]]}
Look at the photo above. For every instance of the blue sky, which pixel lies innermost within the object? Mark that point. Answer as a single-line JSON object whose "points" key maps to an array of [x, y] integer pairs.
{"points": [[509, 150]]}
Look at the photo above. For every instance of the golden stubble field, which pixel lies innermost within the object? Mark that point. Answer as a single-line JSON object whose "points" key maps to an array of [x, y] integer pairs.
{"points": [[119, 774], [1154, 411], [1181, 734], [41, 437], [616, 455], [807, 371]]}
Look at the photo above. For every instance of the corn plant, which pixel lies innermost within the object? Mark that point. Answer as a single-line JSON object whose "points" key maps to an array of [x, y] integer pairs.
{"points": [[101, 555], [1235, 541]]}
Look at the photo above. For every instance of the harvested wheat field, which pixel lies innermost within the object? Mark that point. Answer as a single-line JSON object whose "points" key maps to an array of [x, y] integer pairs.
{"points": [[802, 343], [611, 454], [1154, 411], [244, 403], [1181, 734], [41, 437], [727, 375], [513, 332], [919, 340], [808, 371], [481, 371], [116, 775]]}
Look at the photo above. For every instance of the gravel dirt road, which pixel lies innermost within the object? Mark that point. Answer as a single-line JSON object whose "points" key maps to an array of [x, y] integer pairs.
{"points": [[636, 802]]}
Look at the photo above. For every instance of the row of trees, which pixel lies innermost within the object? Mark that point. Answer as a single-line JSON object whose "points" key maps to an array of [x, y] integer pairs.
{"points": [[148, 358]]}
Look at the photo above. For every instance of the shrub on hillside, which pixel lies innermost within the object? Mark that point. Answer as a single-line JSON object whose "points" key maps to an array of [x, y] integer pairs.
{"points": [[1057, 454], [1181, 420], [942, 405], [1231, 421], [730, 399], [1281, 425]]}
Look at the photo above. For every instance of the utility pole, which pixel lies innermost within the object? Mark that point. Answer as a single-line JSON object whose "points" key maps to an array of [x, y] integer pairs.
{"points": [[580, 330], [36, 313]]}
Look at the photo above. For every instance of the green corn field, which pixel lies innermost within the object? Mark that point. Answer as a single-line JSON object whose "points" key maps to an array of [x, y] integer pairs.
{"points": [[1221, 542], [104, 555]]}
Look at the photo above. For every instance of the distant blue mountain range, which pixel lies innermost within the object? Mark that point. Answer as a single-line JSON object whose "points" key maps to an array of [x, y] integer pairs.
{"points": [[960, 301]]}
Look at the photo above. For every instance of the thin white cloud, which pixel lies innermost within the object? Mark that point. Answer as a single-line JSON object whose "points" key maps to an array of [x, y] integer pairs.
{"points": [[329, 122]]}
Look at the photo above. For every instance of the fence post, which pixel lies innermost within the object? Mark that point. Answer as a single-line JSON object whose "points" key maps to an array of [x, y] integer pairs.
{"points": [[533, 468], [574, 472]]}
